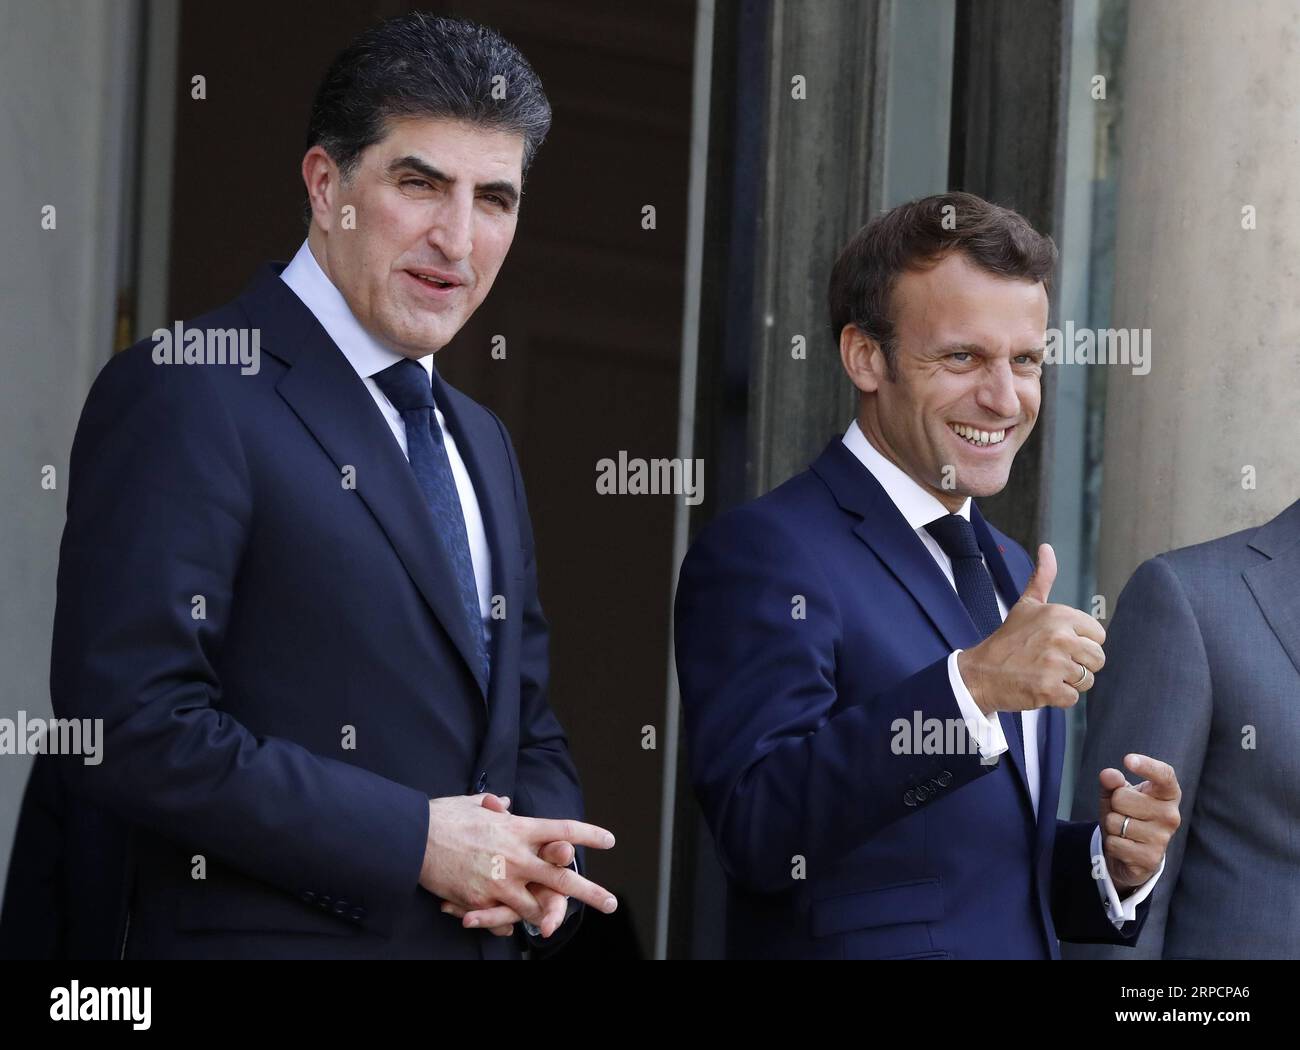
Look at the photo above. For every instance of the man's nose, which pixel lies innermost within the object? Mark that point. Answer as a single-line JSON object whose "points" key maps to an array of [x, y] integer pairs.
{"points": [[452, 233], [997, 393]]}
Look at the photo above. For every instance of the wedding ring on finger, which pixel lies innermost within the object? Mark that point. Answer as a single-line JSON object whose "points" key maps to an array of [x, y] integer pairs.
{"points": [[1083, 677], [1124, 827]]}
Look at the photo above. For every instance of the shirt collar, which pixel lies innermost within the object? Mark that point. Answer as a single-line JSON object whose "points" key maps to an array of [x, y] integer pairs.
{"points": [[366, 354], [917, 505]]}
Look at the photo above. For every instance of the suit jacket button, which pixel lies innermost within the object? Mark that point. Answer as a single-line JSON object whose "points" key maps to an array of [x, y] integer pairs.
{"points": [[909, 798], [922, 793], [307, 896], [944, 778], [482, 783], [340, 907], [358, 914]]}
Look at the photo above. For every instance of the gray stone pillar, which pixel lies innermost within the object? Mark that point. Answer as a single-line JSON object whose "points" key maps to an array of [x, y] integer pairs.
{"points": [[1008, 146], [67, 88], [1211, 126], [824, 159]]}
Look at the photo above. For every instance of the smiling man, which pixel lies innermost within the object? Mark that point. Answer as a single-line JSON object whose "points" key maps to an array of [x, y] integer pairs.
{"points": [[830, 632], [304, 600]]}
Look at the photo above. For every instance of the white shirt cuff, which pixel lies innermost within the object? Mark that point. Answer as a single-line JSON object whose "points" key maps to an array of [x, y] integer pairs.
{"points": [[1119, 911], [987, 732]]}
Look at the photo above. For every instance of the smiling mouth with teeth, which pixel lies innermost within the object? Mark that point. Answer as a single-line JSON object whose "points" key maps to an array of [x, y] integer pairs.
{"points": [[972, 436]]}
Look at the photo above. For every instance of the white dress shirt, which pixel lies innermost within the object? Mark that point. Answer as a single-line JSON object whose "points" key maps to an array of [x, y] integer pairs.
{"points": [[368, 356], [919, 508]]}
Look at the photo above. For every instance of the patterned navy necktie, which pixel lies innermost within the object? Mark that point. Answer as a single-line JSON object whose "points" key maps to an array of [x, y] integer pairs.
{"points": [[956, 536], [407, 385]]}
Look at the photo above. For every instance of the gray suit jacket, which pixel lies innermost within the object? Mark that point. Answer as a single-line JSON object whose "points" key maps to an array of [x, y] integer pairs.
{"points": [[1203, 671]]}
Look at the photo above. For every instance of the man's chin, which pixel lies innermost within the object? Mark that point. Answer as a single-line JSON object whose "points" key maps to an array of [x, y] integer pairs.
{"points": [[982, 484], [418, 340], [979, 481], [978, 473]]}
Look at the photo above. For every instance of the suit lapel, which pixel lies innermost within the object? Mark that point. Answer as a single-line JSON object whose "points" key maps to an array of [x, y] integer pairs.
{"points": [[1009, 589], [1009, 586], [334, 404], [1273, 583], [1052, 760], [884, 529]]}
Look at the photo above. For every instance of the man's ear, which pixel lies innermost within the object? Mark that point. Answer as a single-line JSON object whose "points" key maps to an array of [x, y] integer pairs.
{"points": [[321, 177], [863, 358]]}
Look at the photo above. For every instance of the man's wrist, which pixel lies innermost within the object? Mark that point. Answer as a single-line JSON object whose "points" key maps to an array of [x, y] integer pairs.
{"points": [[970, 678]]}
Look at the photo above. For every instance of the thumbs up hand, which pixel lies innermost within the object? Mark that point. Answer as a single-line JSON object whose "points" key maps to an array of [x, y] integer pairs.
{"points": [[1043, 655]]}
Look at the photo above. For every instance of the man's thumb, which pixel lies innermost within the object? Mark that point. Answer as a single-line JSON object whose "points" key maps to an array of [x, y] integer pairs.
{"points": [[1039, 587]]}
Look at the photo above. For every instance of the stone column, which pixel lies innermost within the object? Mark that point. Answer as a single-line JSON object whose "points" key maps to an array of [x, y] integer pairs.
{"points": [[823, 154], [1211, 147], [67, 91]]}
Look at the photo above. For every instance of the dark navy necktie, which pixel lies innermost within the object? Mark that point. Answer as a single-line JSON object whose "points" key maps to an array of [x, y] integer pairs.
{"points": [[407, 385], [956, 536]]}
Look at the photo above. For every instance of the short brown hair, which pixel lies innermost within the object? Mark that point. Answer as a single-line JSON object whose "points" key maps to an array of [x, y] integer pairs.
{"points": [[915, 236]]}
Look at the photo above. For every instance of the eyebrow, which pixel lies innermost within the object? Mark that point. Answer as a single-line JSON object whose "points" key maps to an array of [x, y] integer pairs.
{"points": [[410, 162]]}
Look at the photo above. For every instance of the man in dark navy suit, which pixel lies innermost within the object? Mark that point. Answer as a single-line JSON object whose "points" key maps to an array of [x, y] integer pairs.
{"points": [[872, 677], [299, 586]]}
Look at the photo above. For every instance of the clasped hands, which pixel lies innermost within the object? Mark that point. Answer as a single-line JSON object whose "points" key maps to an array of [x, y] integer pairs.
{"points": [[493, 869]]}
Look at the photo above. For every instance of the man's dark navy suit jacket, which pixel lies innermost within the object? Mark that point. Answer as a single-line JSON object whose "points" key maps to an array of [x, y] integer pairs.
{"points": [[292, 734], [791, 721]]}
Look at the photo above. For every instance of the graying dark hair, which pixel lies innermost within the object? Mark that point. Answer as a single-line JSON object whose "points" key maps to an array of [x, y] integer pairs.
{"points": [[423, 65]]}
